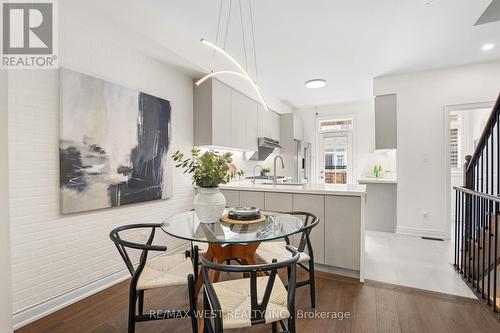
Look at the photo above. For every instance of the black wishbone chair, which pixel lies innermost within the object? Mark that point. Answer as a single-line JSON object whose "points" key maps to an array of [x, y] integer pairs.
{"points": [[152, 273], [250, 301], [267, 251]]}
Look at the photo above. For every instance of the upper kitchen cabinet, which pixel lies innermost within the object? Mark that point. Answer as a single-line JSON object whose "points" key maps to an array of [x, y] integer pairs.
{"points": [[224, 118], [269, 123], [251, 126], [292, 127], [212, 114], [275, 132], [386, 122], [242, 107], [265, 122]]}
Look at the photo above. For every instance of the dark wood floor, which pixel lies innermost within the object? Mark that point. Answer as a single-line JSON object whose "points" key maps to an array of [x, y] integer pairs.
{"points": [[374, 307]]}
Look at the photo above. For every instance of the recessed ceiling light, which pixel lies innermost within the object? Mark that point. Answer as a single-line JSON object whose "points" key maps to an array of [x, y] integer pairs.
{"points": [[488, 47], [316, 83]]}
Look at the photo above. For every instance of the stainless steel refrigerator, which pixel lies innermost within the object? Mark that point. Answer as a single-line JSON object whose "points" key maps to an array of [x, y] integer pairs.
{"points": [[302, 162]]}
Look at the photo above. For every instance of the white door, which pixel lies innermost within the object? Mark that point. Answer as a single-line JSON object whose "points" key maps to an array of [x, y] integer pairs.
{"points": [[336, 158]]}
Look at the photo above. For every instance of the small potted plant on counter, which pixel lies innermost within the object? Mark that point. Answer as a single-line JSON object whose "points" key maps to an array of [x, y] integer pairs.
{"points": [[208, 170], [266, 172]]}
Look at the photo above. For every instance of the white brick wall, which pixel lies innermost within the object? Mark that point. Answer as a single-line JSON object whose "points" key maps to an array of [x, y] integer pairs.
{"points": [[53, 254], [5, 274]]}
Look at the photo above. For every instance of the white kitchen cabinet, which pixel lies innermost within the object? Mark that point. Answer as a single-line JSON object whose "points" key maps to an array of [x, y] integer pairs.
{"points": [[386, 122], [314, 204], [278, 202], [212, 114], [265, 122], [275, 121], [251, 126], [240, 106], [232, 198], [252, 199], [342, 230], [298, 128], [221, 114], [292, 129], [224, 117]]}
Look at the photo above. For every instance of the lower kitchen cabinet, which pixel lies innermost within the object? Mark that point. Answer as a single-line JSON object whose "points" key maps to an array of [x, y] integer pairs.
{"points": [[252, 199], [278, 202], [314, 204], [342, 231], [232, 198]]}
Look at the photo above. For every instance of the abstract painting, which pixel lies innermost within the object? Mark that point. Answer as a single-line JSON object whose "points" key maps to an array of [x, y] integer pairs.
{"points": [[114, 145]]}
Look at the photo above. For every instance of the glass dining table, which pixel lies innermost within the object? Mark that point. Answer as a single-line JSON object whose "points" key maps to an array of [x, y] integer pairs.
{"points": [[228, 241]]}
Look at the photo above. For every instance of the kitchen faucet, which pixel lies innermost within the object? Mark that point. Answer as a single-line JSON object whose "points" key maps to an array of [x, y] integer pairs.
{"points": [[275, 177], [254, 172]]}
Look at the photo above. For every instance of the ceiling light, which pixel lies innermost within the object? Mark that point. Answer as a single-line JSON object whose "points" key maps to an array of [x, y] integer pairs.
{"points": [[242, 71], [315, 83], [488, 47]]}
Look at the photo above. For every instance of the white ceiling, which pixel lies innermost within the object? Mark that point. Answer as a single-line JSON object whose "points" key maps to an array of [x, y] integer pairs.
{"points": [[348, 43]]}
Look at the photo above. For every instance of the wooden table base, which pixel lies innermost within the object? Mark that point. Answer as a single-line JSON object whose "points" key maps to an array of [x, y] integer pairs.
{"points": [[219, 254]]}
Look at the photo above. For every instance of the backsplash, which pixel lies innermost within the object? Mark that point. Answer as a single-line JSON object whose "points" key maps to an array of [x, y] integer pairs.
{"points": [[386, 159]]}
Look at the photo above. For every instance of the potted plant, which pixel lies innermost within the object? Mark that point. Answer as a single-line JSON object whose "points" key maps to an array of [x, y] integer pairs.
{"points": [[266, 172], [208, 170]]}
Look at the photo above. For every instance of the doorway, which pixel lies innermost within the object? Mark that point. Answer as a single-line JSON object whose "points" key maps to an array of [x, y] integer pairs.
{"points": [[336, 158], [464, 125]]}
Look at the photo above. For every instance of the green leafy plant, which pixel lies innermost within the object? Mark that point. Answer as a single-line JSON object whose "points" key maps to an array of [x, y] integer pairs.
{"points": [[209, 170], [377, 171], [266, 170]]}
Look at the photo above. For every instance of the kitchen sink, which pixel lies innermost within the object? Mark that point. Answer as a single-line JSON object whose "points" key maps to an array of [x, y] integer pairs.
{"points": [[287, 183]]}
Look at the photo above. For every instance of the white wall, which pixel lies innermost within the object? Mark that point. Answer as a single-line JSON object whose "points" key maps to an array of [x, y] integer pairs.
{"points": [[364, 140], [54, 256], [5, 271], [421, 98]]}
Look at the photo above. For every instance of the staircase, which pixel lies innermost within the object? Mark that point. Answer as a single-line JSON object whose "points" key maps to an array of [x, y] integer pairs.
{"points": [[477, 216]]}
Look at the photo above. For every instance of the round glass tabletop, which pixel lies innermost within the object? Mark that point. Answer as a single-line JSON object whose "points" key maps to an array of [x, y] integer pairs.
{"points": [[187, 226]]}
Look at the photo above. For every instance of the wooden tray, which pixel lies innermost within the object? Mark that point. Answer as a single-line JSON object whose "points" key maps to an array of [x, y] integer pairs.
{"points": [[226, 219]]}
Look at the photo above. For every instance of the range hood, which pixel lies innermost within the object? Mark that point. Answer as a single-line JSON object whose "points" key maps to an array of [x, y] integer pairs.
{"points": [[266, 147]]}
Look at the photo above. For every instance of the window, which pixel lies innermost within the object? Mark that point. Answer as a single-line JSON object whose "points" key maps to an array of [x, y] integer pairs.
{"points": [[454, 141], [340, 160], [335, 125]]}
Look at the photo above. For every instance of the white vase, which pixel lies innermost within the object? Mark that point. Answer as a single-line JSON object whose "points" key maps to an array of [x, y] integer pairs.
{"points": [[209, 204]]}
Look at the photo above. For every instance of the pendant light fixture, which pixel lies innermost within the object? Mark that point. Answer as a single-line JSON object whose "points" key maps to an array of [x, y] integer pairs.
{"points": [[242, 71]]}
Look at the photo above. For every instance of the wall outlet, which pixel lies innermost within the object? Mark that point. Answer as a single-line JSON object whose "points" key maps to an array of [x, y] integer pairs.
{"points": [[425, 216]]}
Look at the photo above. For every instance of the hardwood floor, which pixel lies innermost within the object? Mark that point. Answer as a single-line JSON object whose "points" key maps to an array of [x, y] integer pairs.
{"points": [[373, 307]]}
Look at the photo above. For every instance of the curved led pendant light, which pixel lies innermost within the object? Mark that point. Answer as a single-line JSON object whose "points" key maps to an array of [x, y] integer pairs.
{"points": [[208, 76], [243, 73]]}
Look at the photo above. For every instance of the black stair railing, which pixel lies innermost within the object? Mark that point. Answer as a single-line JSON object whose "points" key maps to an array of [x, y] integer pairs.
{"points": [[477, 211]]}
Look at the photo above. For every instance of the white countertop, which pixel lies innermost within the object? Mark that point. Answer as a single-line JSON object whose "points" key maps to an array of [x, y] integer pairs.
{"points": [[324, 189], [377, 181]]}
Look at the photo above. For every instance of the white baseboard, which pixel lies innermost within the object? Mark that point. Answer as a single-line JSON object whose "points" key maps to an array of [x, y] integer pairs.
{"points": [[39, 310], [337, 270], [421, 232], [30, 314]]}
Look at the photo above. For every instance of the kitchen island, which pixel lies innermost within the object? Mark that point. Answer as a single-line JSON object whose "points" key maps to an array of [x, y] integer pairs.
{"points": [[338, 241]]}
